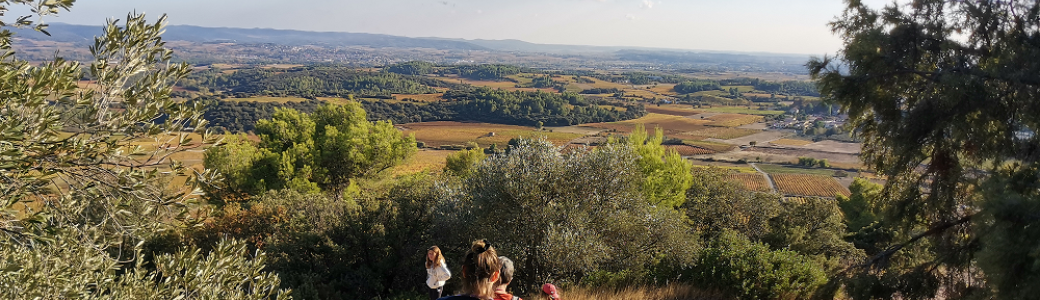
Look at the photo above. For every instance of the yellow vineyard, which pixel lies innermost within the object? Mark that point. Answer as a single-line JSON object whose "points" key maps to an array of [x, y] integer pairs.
{"points": [[733, 120], [809, 185], [685, 150], [752, 181]]}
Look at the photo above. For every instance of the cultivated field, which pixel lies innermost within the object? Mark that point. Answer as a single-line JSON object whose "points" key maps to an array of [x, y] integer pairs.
{"points": [[809, 185], [720, 133], [424, 160], [741, 110], [752, 181], [791, 142], [714, 146], [459, 133], [668, 123], [779, 169], [685, 150], [672, 109], [733, 120]]}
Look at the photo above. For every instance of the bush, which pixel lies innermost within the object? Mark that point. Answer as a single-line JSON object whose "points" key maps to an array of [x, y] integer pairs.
{"points": [[752, 271]]}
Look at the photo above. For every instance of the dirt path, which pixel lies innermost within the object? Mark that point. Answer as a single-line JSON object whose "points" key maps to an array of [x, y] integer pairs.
{"points": [[768, 178]]}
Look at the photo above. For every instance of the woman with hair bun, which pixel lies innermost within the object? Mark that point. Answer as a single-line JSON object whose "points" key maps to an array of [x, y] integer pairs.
{"points": [[436, 272], [480, 272]]}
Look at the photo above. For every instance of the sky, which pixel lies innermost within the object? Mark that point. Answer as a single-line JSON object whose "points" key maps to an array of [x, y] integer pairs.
{"points": [[775, 26]]}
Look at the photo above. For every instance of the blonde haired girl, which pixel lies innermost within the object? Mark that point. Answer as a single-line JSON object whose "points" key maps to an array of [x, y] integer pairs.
{"points": [[436, 272]]}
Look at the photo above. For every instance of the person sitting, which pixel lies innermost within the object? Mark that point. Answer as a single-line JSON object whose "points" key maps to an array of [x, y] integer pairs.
{"points": [[480, 271], [505, 278]]}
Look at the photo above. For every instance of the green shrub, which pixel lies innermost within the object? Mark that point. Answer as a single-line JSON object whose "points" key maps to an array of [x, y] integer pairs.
{"points": [[752, 271]]}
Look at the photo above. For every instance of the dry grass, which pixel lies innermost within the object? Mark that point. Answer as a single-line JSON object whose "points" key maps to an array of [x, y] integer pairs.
{"points": [[791, 142], [668, 123], [741, 110], [713, 146], [459, 133], [424, 160], [664, 89], [809, 185], [752, 182], [733, 120], [669, 292], [335, 100], [420, 97], [269, 99], [672, 109]]}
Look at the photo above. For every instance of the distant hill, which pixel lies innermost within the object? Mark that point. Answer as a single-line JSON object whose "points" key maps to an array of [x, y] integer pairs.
{"points": [[62, 32], [84, 33]]}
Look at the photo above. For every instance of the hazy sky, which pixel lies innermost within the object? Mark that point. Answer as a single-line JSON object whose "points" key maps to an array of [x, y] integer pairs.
{"points": [[781, 26]]}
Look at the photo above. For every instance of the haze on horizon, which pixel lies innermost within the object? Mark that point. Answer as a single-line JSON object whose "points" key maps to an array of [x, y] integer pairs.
{"points": [[795, 26]]}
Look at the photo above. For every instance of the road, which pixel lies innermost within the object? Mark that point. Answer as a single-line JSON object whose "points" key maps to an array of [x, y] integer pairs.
{"points": [[768, 179]]}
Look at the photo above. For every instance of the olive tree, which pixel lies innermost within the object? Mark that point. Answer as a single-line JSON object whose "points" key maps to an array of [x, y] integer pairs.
{"points": [[85, 173], [561, 215]]}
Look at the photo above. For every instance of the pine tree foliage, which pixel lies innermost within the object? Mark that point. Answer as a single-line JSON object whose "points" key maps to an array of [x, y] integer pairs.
{"points": [[944, 94]]}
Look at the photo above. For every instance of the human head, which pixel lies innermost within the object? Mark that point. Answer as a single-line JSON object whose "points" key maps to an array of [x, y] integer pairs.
{"points": [[480, 270], [506, 273], [437, 256], [550, 290]]}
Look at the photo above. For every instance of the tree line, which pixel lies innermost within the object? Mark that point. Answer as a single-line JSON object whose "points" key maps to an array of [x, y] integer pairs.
{"points": [[314, 81], [473, 104]]}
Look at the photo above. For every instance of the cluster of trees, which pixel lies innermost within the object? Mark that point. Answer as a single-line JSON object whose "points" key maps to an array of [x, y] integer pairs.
{"points": [[790, 87], [478, 104], [531, 108], [812, 162], [474, 72], [486, 71], [241, 116], [693, 86], [600, 91], [304, 152], [315, 81], [640, 78]]}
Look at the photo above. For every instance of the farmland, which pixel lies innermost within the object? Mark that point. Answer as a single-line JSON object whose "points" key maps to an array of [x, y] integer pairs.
{"points": [[791, 142], [809, 185], [672, 109], [779, 169], [686, 150], [741, 110], [423, 160], [459, 133], [733, 120], [752, 181], [669, 123]]}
